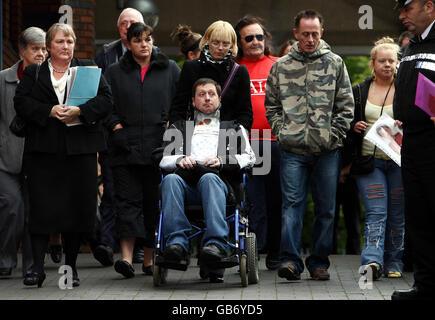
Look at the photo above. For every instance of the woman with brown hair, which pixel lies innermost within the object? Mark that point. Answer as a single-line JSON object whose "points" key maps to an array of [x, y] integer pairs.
{"points": [[188, 41]]}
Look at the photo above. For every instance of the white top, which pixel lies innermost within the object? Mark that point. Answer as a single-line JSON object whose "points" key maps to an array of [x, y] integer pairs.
{"points": [[426, 32], [58, 85], [373, 112]]}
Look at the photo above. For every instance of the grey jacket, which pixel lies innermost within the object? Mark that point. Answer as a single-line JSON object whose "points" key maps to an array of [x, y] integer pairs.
{"points": [[11, 146]]}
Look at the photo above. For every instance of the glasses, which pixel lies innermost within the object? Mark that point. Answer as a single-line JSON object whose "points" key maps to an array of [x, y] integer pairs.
{"points": [[216, 44], [259, 37]]}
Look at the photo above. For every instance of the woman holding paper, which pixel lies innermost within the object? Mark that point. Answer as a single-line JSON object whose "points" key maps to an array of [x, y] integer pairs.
{"points": [[381, 189], [143, 84], [60, 160]]}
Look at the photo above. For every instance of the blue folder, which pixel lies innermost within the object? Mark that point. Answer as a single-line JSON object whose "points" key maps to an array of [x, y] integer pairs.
{"points": [[85, 86]]}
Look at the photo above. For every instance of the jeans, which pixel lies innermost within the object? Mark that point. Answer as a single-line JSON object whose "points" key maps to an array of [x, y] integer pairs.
{"points": [[211, 192], [382, 192], [297, 172]]}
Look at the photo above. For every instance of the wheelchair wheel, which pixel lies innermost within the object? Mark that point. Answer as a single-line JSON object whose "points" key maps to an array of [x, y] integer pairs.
{"points": [[159, 275], [243, 270], [251, 247]]}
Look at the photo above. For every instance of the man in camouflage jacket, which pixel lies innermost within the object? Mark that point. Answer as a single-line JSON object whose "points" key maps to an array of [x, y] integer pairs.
{"points": [[309, 105]]}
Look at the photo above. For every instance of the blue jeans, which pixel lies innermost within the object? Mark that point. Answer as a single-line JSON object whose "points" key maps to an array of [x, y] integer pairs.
{"points": [[382, 192], [297, 172], [211, 192]]}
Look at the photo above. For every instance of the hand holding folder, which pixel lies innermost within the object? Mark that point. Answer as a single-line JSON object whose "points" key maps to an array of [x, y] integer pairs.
{"points": [[83, 83]]}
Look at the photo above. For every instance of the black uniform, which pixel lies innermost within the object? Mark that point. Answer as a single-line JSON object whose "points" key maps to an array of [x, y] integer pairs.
{"points": [[418, 157]]}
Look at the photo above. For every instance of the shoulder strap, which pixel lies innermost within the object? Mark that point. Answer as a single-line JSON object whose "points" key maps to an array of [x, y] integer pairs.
{"points": [[230, 78]]}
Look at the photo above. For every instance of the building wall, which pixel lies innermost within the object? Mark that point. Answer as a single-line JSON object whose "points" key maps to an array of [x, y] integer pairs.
{"points": [[21, 14]]}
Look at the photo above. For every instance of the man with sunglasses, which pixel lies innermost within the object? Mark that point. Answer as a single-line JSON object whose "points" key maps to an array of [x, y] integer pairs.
{"points": [[309, 105], [263, 190]]}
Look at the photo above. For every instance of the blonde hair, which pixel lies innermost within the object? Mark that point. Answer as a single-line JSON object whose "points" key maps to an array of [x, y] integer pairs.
{"points": [[55, 28], [384, 43], [221, 31]]}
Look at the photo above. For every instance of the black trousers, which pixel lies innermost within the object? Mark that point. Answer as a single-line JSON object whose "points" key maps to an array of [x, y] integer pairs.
{"points": [[136, 202], [418, 181], [71, 245], [348, 198]]}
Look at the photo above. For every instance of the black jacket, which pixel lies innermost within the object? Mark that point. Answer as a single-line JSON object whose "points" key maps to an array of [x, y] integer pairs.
{"points": [[141, 107], [236, 104], [419, 130], [110, 54], [34, 101]]}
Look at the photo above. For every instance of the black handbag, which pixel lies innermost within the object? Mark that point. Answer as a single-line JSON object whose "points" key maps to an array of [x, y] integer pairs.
{"points": [[18, 124], [365, 164]]}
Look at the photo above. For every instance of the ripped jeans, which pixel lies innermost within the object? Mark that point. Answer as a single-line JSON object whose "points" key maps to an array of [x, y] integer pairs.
{"points": [[382, 192]]}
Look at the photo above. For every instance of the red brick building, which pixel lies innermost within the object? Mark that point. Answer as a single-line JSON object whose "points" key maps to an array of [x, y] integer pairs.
{"points": [[18, 15]]}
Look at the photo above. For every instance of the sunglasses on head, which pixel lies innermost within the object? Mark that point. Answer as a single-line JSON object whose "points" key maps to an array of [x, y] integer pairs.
{"points": [[259, 37]]}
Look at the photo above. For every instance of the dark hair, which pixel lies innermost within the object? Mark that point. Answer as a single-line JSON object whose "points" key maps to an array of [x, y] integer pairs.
{"points": [[284, 46], [308, 14], [137, 29], [203, 82], [247, 21], [404, 35], [187, 39]]}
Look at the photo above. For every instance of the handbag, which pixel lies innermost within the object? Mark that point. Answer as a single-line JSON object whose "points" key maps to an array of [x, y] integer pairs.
{"points": [[18, 124], [366, 164]]}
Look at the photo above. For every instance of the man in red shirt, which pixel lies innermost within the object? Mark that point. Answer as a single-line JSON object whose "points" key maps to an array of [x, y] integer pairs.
{"points": [[263, 188]]}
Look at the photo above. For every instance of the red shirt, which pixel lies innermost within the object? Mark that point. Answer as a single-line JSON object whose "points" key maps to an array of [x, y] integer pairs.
{"points": [[143, 72], [258, 72]]}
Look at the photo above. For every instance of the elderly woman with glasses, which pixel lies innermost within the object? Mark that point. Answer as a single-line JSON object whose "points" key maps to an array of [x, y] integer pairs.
{"points": [[218, 47]]}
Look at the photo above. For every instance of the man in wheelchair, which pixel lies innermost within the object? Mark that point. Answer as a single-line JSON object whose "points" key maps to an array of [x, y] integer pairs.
{"points": [[202, 157]]}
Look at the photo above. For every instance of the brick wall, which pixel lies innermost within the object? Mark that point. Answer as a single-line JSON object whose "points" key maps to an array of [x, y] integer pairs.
{"points": [[84, 27], [21, 14]]}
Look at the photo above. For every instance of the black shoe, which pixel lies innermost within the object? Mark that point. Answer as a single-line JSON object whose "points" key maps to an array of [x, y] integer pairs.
{"points": [[124, 268], [56, 252], [413, 294], [76, 280], [104, 255], [33, 279], [214, 277], [272, 263], [5, 272], [148, 270], [288, 271], [213, 253], [138, 255]]}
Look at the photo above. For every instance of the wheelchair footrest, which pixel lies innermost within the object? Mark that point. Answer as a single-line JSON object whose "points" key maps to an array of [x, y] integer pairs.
{"points": [[175, 265], [228, 262]]}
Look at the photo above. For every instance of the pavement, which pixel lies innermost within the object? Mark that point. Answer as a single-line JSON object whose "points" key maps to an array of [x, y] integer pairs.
{"points": [[103, 283]]}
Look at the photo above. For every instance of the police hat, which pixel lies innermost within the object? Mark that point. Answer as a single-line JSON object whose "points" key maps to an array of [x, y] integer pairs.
{"points": [[402, 3]]}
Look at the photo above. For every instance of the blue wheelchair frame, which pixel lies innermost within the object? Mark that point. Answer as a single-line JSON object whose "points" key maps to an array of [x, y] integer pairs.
{"points": [[247, 255]]}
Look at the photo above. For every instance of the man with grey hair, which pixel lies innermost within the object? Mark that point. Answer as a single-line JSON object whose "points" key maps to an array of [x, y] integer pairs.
{"points": [[110, 54], [31, 45]]}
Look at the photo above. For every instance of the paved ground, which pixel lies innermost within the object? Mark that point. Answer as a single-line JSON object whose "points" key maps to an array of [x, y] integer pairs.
{"points": [[98, 283]]}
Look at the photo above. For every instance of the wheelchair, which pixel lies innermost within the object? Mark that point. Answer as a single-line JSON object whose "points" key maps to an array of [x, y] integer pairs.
{"points": [[243, 242]]}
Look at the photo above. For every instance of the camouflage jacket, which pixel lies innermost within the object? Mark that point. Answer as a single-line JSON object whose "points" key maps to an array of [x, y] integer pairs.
{"points": [[309, 101]]}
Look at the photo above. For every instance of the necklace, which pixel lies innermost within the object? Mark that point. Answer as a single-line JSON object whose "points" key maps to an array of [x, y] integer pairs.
{"points": [[55, 70], [59, 71]]}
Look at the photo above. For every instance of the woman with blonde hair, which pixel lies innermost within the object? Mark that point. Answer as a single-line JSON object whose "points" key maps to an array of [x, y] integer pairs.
{"points": [[218, 47], [381, 188]]}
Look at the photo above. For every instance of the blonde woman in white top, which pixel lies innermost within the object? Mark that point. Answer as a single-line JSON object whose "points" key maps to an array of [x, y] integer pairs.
{"points": [[381, 189]]}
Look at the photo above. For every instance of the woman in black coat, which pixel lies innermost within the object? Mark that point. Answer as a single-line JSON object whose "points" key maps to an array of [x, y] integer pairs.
{"points": [[143, 84], [218, 46], [60, 161]]}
